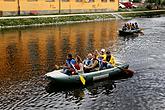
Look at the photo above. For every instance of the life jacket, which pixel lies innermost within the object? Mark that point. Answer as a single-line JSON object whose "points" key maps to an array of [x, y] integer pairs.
{"points": [[87, 62], [77, 66], [111, 60], [101, 57], [86, 1], [69, 62]]}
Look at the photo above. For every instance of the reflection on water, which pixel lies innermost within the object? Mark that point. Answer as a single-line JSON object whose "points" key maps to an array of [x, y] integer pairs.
{"points": [[27, 54], [78, 92], [38, 50]]}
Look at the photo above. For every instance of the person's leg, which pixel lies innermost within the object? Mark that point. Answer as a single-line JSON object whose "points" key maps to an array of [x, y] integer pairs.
{"points": [[86, 70], [67, 71], [100, 65], [109, 65], [104, 65]]}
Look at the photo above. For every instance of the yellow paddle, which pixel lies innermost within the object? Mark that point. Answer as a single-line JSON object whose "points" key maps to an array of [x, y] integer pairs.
{"points": [[82, 79], [141, 29]]}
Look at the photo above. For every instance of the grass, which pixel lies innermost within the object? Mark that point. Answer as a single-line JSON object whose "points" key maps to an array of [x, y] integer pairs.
{"points": [[54, 20], [133, 9]]}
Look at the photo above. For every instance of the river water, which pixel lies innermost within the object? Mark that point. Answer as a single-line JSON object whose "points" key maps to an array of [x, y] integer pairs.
{"points": [[27, 54]]}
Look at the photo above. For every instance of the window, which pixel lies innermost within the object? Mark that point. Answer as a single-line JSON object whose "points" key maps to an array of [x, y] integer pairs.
{"points": [[9, 0], [65, 0], [78, 0], [32, 0], [91, 1], [88, 1], [50, 0], [103, 0], [112, 0]]}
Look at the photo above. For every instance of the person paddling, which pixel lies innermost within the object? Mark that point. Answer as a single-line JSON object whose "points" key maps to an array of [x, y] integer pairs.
{"points": [[124, 28], [68, 68], [101, 57], [136, 25], [79, 65]]}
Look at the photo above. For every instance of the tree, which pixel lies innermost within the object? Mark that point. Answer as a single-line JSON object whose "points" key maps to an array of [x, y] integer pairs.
{"points": [[155, 3], [137, 1]]}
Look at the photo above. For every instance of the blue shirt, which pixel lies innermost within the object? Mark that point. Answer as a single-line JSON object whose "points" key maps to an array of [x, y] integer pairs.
{"points": [[69, 62], [88, 62]]}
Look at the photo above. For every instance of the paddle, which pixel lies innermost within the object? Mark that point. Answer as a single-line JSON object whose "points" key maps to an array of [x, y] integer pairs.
{"points": [[141, 29], [82, 79], [81, 76]]}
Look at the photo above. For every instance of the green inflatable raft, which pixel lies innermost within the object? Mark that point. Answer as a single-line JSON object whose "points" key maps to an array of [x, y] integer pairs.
{"points": [[58, 76]]}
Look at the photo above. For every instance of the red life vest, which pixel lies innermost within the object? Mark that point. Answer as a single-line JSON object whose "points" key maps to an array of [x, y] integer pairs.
{"points": [[77, 66]]}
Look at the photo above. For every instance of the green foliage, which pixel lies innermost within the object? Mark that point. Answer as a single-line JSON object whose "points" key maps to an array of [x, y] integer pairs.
{"points": [[54, 20], [163, 2], [140, 9], [137, 1], [133, 9], [155, 1]]}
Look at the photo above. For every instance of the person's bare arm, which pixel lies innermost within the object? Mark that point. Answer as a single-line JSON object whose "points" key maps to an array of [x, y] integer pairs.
{"points": [[95, 63]]}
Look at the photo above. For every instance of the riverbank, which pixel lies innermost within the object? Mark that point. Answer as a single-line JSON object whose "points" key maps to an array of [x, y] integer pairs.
{"points": [[26, 21]]}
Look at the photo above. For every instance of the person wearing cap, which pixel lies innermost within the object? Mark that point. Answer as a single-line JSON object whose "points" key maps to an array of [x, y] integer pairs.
{"points": [[110, 60], [70, 62], [136, 25], [101, 57], [125, 27]]}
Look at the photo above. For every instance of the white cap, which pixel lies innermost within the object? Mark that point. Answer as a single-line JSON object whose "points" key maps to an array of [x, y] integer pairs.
{"points": [[102, 50]]}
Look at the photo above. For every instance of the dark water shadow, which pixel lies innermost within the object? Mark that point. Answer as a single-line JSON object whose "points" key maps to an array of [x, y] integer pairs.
{"points": [[76, 94], [129, 37], [152, 16], [132, 36], [106, 85], [78, 91]]}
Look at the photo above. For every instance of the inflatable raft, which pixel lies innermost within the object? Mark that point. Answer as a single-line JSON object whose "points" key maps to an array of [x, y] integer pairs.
{"points": [[59, 77]]}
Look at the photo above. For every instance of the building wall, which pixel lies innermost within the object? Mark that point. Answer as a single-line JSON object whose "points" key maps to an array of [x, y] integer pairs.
{"points": [[8, 7]]}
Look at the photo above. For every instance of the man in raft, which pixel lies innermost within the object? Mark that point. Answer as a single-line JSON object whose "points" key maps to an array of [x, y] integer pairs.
{"points": [[69, 65]]}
